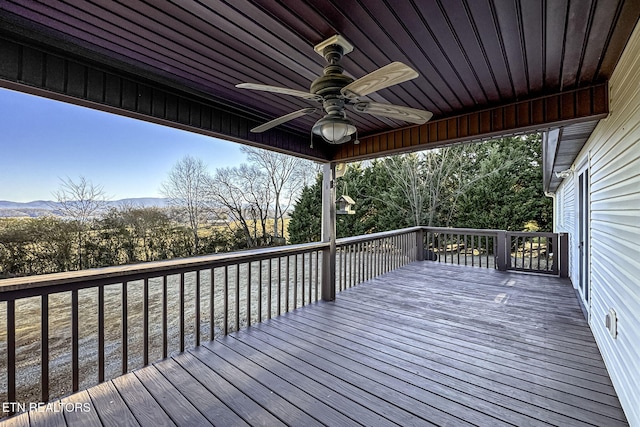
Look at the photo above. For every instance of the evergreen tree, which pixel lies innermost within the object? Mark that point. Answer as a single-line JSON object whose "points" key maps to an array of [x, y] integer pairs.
{"points": [[305, 224], [510, 194]]}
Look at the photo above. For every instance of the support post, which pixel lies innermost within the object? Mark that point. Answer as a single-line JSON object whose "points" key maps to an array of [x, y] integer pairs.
{"points": [[329, 232], [563, 250], [420, 245], [502, 256]]}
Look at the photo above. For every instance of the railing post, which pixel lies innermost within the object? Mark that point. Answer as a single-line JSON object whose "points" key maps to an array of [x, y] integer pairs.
{"points": [[329, 232], [502, 255], [420, 244], [563, 251]]}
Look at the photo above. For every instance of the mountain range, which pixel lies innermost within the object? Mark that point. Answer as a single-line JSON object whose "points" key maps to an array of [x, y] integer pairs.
{"points": [[38, 208]]}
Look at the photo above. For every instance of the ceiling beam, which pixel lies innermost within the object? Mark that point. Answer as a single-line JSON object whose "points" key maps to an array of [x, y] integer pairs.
{"points": [[551, 111], [61, 76]]}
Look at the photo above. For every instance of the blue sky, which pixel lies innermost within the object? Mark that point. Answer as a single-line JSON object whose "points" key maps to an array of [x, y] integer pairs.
{"points": [[42, 140]]}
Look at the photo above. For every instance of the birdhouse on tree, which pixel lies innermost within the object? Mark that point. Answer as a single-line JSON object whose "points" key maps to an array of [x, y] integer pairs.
{"points": [[345, 206]]}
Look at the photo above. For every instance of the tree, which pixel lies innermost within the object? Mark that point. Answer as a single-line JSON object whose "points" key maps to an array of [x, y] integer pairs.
{"points": [[186, 188], [287, 175], [509, 193], [495, 184], [306, 219], [245, 193], [80, 202]]}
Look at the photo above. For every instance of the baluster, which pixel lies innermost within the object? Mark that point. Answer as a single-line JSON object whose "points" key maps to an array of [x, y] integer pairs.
{"points": [[435, 245], [145, 322], [237, 298], [486, 251], [361, 263], [11, 350], [372, 260], [473, 252], [212, 320], [539, 252], [260, 266], [270, 276], [310, 277], [530, 240], [225, 302], [339, 268], [75, 362], [197, 313], [345, 256], [394, 252], [286, 290], [125, 332], [379, 257], [44, 349], [385, 251], [317, 273], [165, 329], [248, 294], [302, 294], [393, 248], [295, 288], [181, 312], [352, 266], [279, 285], [101, 334], [295, 281]]}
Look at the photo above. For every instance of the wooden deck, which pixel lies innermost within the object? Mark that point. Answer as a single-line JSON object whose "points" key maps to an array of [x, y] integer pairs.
{"points": [[427, 344]]}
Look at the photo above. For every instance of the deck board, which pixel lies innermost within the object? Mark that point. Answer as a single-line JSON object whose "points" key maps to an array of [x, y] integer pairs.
{"points": [[110, 407], [140, 402], [426, 344], [86, 417]]}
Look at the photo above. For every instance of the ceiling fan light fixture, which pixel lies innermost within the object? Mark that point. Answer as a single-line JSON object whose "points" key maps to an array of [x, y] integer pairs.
{"points": [[334, 129]]}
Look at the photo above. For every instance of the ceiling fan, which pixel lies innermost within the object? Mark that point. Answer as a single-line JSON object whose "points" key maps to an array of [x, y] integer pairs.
{"points": [[335, 91]]}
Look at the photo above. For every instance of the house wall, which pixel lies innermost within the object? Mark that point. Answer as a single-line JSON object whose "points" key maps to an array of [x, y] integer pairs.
{"points": [[565, 222], [613, 156]]}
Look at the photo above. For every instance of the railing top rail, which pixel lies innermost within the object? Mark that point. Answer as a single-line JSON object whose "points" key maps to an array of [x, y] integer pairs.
{"points": [[374, 236], [474, 231], [136, 271], [531, 234]]}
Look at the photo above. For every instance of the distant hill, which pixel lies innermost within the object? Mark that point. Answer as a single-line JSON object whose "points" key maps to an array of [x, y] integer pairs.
{"points": [[38, 208]]}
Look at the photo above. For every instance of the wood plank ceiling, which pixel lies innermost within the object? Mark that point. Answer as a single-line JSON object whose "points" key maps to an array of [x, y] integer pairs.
{"points": [[472, 55]]}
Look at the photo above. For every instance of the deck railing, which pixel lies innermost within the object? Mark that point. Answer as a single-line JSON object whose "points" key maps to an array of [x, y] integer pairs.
{"points": [[96, 324], [93, 325], [534, 252], [504, 250], [464, 246], [362, 258]]}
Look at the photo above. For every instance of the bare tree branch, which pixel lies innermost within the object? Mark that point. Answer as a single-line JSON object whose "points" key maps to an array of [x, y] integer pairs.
{"points": [[186, 188]]}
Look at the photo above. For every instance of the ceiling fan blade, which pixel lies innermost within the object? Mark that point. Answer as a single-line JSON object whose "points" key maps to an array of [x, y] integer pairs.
{"points": [[389, 75], [280, 90], [411, 115], [283, 119]]}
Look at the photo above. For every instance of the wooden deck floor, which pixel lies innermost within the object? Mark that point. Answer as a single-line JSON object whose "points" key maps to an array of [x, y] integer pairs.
{"points": [[427, 344]]}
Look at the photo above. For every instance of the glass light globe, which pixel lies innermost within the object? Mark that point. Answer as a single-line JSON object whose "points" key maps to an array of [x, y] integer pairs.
{"points": [[334, 129]]}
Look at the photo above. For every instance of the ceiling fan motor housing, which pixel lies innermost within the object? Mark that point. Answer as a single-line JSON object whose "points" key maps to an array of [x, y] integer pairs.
{"points": [[332, 81]]}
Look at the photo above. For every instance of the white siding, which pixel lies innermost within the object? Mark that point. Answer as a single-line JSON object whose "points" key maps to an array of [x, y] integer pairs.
{"points": [[613, 153], [565, 222]]}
